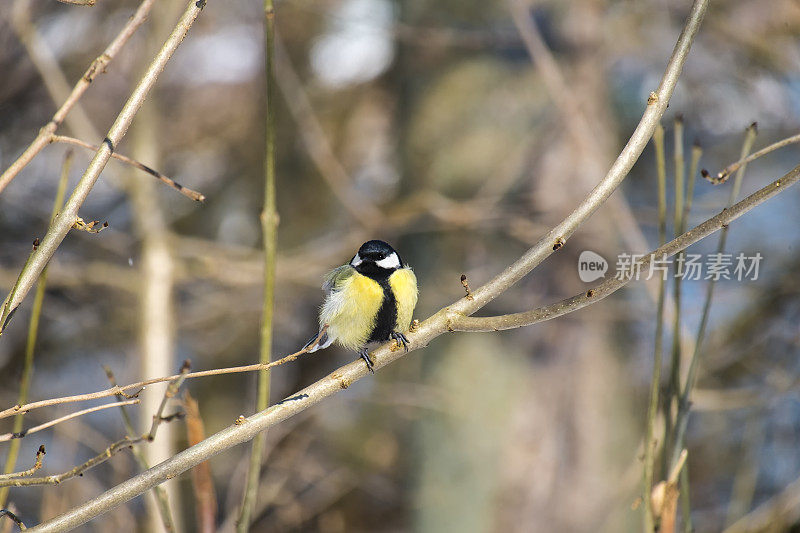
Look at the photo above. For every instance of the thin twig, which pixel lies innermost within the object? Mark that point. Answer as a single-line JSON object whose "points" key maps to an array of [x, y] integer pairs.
{"points": [[655, 381], [86, 3], [37, 464], [269, 230], [172, 390], [583, 131], [13, 517], [22, 434], [63, 223], [161, 495], [619, 170], [126, 442], [33, 332], [697, 152], [675, 365], [695, 161], [78, 470], [459, 322], [187, 192], [53, 76], [142, 384], [674, 381], [97, 66], [684, 404], [725, 173]]}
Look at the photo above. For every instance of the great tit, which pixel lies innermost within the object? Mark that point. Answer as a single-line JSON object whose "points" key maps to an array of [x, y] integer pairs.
{"points": [[370, 300]]}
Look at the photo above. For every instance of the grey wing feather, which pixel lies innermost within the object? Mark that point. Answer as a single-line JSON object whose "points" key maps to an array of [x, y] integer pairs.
{"points": [[332, 280], [336, 276]]}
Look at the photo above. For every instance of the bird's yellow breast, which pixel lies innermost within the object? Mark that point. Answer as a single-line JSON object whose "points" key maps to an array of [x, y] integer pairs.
{"points": [[351, 310], [403, 283]]}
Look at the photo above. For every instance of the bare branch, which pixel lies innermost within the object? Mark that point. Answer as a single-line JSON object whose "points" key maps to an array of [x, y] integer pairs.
{"points": [[78, 470], [656, 105], [19, 435], [125, 443], [113, 391], [160, 493], [12, 516], [86, 3], [459, 322], [29, 472], [97, 66], [726, 172], [655, 380], [62, 224], [269, 232], [681, 419], [33, 331], [170, 393], [186, 191]]}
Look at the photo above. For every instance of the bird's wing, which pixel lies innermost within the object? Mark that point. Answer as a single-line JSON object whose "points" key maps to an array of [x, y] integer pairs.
{"points": [[335, 277]]}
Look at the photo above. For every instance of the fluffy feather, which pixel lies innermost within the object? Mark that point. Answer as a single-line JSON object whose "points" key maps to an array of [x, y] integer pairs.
{"points": [[351, 307]]}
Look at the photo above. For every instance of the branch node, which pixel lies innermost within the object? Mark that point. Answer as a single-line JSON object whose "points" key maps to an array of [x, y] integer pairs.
{"points": [[89, 227], [465, 284], [652, 99]]}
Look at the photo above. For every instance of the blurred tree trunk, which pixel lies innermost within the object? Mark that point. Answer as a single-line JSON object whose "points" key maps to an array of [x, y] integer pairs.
{"points": [[156, 312]]}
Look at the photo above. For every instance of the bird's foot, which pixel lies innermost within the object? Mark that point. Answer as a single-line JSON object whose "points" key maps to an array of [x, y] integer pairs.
{"points": [[400, 339], [365, 356]]}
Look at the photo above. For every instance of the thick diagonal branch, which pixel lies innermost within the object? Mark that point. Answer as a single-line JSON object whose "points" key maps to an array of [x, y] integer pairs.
{"points": [[460, 322], [61, 225]]}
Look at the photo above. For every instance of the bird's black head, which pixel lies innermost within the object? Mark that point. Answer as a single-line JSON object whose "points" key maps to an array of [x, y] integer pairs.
{"points": [[376, 259]]}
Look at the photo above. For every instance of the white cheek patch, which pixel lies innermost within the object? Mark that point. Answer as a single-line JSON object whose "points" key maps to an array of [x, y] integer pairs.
{"points": [[356, 261], [389, 262]]}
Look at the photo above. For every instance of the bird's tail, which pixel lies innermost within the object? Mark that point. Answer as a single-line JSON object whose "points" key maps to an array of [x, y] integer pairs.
{"points": [[318, 342]]}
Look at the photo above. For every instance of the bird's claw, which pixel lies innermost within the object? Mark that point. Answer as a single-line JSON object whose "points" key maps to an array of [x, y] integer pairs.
{"points": [[400, 339], [365, 356]]}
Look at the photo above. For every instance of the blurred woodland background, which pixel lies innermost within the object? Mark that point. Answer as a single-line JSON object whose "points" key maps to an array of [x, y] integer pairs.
{"points": [[426, 124]]}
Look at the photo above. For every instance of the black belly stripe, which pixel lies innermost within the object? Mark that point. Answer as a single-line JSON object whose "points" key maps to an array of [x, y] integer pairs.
{"points": [[386, 321]]}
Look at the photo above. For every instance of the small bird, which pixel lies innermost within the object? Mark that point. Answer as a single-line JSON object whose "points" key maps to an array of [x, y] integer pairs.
{"points": [[370, 300]]}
